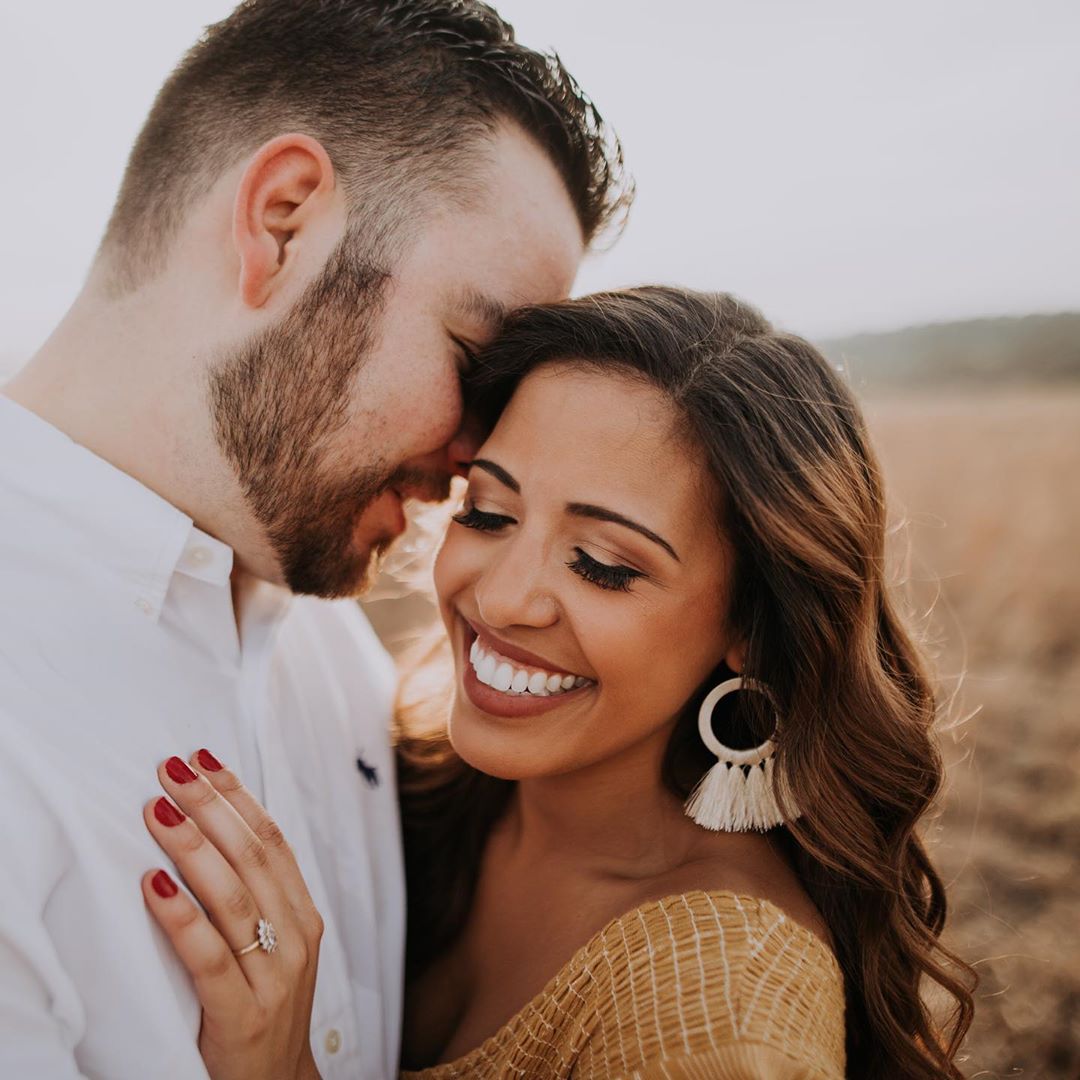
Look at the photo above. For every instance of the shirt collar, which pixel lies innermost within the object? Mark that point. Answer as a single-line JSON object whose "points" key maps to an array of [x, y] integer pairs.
{"points": [[205, 558], [49, 482]]}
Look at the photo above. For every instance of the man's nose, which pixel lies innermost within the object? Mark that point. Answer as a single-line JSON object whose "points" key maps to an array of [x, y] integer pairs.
{"points": [[463, 446], [428, 477]]}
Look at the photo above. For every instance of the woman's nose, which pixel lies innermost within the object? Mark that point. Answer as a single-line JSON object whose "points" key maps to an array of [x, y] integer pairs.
{"points": [[513, 591]]}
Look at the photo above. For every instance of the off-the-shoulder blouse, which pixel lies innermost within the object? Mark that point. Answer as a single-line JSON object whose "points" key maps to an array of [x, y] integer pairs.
{"points": [[699, 986]]}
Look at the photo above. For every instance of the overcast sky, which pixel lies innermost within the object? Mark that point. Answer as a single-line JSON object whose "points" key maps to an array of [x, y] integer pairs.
{"points": [[844, 165]]}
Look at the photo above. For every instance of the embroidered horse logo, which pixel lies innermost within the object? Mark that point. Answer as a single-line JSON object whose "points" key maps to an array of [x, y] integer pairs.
{"points": [[369, 772]]}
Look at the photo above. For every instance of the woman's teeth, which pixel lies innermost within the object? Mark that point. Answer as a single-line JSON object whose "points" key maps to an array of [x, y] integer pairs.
{"points": [[503, 675]]}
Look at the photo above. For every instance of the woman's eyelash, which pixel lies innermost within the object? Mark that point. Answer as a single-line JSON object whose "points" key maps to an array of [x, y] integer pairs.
{"points": [[618, 578], [472, 518]]}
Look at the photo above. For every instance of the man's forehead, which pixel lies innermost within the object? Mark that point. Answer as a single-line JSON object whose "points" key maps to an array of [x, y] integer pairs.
{"points": [[524, 243]]}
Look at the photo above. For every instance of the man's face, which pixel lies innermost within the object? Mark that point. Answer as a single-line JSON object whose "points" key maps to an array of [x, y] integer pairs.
{"points": [[348, 405]]}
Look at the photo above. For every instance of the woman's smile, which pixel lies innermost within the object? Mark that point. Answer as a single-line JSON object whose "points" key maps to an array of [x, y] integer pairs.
{"points": [[503, 680]]}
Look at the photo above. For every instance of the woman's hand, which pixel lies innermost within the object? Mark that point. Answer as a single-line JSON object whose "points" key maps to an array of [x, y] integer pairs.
{"points": [[256, 1007]]}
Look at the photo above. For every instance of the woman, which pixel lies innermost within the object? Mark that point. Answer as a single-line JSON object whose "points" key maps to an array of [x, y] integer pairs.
{"points": [[669, 827]]}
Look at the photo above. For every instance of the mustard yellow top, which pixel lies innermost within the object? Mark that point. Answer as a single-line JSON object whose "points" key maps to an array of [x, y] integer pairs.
{"points": [[702, 986]]}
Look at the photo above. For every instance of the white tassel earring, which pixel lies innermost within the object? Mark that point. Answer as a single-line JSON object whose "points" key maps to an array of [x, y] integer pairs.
{"points": [[738, 793]]}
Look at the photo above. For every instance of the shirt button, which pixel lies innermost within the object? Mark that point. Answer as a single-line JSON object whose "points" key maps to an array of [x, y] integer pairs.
{"points": [[144, 606], [199, 556], [332, 1041]]}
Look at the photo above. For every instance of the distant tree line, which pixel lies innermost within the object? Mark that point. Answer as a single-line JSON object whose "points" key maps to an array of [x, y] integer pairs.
{"points": [[1030, 349]]}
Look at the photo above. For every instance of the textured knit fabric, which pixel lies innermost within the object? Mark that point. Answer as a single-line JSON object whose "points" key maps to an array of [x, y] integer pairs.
{"points": [[693, 987]]}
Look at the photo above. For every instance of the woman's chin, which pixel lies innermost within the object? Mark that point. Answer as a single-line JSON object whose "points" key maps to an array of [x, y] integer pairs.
{"points": [[498, 753], [513, 736]]}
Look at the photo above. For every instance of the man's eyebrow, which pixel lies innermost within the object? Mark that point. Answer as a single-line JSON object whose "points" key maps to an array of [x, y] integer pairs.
{"points": [[598, 513], [498, 472], [486, 310]]}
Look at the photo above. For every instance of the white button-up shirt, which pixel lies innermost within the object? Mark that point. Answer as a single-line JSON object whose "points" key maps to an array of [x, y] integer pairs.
{"points": [[118, 648]]}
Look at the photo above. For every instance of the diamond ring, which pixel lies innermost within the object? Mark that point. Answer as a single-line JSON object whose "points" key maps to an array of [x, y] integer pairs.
{"points": [[265, 939]]}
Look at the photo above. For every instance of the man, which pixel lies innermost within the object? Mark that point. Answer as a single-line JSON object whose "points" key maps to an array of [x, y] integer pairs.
{"points": [[327, 210]]}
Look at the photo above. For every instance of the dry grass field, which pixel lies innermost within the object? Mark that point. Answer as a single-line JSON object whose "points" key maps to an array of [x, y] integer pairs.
{"points": [[990, 487], [985, 489]]}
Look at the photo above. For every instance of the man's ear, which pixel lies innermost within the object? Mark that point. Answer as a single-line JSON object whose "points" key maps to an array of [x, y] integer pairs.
{"points": [[288, 182]]}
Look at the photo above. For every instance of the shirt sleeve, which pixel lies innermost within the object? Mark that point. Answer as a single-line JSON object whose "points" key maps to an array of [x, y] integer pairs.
{"points": [[41, 1015]]}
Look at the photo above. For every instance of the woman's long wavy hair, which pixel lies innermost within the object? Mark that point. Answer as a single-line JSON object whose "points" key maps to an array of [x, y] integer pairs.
{"points": [[802, 505]]}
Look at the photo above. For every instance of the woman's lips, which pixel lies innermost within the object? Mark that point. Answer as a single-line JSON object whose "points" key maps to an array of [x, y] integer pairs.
{"points": [[497, 703], [511, 652]]}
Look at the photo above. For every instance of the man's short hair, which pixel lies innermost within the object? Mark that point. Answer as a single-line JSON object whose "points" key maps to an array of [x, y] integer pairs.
{"points": [[399, 92]]}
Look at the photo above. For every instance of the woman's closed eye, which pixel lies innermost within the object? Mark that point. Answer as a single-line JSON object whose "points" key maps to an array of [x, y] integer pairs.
{"points": [[483, 521], [615, 577], [606, 575]]}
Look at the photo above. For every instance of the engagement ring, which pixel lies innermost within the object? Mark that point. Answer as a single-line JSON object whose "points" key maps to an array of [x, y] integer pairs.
{"points": [[265, 939]]}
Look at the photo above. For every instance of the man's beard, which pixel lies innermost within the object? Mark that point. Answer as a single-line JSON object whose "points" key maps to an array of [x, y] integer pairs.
{"points": [[277, 403]]}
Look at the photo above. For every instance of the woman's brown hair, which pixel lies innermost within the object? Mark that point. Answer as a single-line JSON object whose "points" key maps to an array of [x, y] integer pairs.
{"points": [[802, 505]]}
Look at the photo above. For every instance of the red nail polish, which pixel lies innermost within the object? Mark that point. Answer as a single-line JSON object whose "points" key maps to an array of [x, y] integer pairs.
{"points": [[163, 885], [208, 761], [167, 814], [179, 771]]}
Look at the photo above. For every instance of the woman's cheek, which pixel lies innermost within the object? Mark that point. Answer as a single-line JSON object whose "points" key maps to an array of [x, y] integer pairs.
{"points": [[617, 643], [655, 656], [448, 573]]}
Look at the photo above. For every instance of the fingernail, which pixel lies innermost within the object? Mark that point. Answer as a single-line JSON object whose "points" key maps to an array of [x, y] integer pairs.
{"points": [[208, 761], [179, 771], [167, 814], [163, 885]]}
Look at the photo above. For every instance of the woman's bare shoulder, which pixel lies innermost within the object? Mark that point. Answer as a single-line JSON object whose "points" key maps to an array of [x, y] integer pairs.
{"points": [[769, 879]]}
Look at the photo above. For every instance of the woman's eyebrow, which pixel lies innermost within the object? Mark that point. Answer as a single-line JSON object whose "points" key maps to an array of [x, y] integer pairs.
{"points": [[585, 510], [498, 472], [598, 513]]}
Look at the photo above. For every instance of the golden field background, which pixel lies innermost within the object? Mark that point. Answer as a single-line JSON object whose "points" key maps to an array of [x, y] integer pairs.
{"points": [[988, 483], [984, 490]]}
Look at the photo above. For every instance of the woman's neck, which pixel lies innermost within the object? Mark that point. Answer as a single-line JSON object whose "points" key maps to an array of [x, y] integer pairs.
{"points": [[614, 817]]}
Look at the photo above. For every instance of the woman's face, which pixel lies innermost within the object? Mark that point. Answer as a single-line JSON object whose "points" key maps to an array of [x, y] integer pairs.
{"points": [[584, 584]]}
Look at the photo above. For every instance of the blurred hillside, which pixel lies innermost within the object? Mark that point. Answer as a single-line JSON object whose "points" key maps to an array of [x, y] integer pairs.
{"points": [[1029, 349]]}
